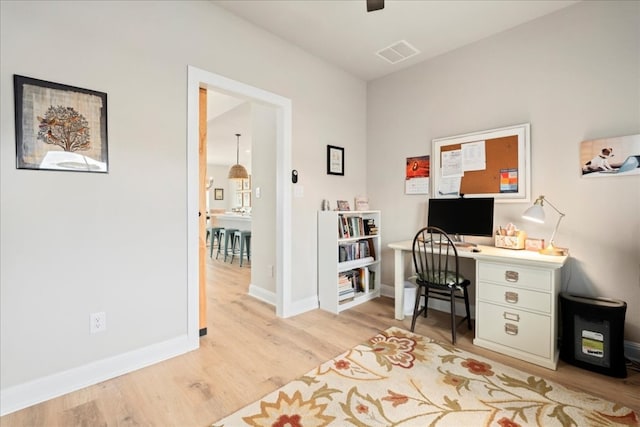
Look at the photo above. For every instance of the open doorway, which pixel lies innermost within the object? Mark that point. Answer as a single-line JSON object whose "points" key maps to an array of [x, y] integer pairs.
{"points": [[281, 107]]}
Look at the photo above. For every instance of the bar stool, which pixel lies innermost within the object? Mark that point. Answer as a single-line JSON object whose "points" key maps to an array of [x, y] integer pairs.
{"points": [[243, 237], [227, 234], [215, 233]]}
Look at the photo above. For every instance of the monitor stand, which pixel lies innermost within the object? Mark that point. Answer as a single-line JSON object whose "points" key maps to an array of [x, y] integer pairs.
{"points": [[458, 242]]}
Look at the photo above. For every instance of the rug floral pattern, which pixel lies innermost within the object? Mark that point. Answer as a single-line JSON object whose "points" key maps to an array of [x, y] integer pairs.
{"points": [[398, 378]]}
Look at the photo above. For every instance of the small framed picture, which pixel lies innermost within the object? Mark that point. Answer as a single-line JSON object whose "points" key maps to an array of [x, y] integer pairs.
{"points": [[532, 244], [246, 183], [335, 160], [218, 194], [246, 199], [343, 205]]}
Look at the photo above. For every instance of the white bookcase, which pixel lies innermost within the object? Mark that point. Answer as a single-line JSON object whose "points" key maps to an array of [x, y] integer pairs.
{"points": [[348, 261]]}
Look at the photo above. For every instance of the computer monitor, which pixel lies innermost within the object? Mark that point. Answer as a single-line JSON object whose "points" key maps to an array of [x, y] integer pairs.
{"points": [[462, 216]]}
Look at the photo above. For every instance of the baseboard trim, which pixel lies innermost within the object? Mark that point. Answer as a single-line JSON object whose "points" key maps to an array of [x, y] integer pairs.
{"points": [[295, 307], [632, 350], [30, 393], [262, 294]]}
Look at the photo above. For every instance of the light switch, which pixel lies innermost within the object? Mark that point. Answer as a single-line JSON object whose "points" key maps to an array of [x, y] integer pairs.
{"points": [[258, 192]]}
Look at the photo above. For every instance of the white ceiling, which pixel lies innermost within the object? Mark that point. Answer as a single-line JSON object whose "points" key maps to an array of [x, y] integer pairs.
{"points": [[227, 116], [343, 33]]}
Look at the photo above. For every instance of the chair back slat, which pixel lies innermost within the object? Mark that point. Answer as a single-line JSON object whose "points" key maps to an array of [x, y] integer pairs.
{"points": [[434, 255], [435, 261]]}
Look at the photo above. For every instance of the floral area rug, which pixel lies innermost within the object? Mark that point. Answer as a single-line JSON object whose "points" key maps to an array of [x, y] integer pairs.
{"points": [[398, 378]]}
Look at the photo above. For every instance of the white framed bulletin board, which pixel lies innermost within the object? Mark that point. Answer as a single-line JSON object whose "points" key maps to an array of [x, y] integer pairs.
{"points": [[492, 163]]}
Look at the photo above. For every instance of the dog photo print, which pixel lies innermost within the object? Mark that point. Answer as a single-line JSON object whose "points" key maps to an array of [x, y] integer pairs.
{"points": [[610, 156]]}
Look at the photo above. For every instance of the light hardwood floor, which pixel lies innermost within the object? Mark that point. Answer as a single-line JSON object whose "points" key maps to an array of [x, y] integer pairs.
{"points": [[249, 352]]}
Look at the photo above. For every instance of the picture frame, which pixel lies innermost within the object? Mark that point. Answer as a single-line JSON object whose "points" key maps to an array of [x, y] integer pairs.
{"points": [[343, 205], [60, 127], [335, 160], [246, 183], [218, 193], [497, 163], [246, 199], [613, 156]]}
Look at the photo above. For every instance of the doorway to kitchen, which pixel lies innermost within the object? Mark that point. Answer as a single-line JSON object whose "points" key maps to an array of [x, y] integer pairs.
{"points": [[265, 103]]}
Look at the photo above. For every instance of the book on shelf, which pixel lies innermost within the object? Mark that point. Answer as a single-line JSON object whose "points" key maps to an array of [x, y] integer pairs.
{"points": [[352, 281], [369, 226], [356, 250], [355, 226]]}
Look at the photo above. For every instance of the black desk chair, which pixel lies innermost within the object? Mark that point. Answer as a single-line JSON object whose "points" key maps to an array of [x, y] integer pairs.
{"points": [[435, 259]]}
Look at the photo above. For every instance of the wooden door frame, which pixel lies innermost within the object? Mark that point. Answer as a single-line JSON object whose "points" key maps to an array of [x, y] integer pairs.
{"points": [[203, 214], [198, 78]]}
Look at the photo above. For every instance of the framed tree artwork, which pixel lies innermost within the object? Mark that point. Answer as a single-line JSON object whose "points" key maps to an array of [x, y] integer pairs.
{"points": [[60, 127]]}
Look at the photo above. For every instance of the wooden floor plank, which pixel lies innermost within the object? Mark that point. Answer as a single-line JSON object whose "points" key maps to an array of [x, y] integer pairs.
{"points": [[249, 352]]}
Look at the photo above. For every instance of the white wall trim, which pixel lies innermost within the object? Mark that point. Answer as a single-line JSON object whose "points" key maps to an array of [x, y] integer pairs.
{"points": [[262, 294], [200, 78], [295, 308], [302, 306], [42, 389], [632, 350]]}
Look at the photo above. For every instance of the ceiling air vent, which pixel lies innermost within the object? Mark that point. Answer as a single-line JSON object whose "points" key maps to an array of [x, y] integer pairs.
{"points": [[397, 52]]}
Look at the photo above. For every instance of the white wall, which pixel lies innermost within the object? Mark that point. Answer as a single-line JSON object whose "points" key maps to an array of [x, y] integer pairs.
{"points": [[220, 180], [263, 210], [74, 243], [575, 76]]}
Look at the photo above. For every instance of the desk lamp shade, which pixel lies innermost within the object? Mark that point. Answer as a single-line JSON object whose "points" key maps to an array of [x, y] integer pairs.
{"points": [[536, 214], [238, 171]]}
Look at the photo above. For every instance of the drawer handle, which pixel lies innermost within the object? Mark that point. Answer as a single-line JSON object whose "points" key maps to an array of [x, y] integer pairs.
{"points": [[511, 297], [511, 316], [510, 329], [511, 276]]}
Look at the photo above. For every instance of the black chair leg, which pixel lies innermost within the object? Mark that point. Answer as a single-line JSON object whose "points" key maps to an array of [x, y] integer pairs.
{"points": [[416, 305], [453, 317], [426, 300], [466, 305]]}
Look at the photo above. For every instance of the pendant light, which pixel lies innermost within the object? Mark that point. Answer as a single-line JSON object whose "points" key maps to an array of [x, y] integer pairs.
{"points": [[238, 171]]}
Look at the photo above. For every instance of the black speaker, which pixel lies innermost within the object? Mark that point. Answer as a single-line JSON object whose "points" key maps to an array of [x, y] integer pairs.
{"points": [[593, 333]]}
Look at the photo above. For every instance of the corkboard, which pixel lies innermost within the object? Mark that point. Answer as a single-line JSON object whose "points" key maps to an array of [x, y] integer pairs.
{"points": [[501, 153], [506, 151]]}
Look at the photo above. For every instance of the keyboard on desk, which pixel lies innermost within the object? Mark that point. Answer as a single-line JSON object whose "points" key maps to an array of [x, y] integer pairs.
{"points": [[463, 246]]}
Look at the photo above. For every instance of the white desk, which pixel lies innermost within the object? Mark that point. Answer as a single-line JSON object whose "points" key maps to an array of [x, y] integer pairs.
{"points": [[516, 300]]}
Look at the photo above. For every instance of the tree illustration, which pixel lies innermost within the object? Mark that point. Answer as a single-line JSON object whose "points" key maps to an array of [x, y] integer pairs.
{"points": [[64, 127]]}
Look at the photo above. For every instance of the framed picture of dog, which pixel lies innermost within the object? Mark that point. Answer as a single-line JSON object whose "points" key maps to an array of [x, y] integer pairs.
{"points": [[619, 156]]}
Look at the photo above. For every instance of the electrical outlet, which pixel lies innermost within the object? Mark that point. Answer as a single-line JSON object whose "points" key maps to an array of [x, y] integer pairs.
{"points": [[98, 322]]}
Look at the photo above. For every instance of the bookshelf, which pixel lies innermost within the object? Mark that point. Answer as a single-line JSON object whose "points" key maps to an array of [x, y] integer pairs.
{"points": [[348, 258]]}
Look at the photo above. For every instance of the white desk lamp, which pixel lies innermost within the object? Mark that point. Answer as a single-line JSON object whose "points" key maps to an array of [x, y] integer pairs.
{"points": [[536, 214]]}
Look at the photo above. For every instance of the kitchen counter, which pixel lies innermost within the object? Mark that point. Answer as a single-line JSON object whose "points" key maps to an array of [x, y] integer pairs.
{"points": [[232, 220]]}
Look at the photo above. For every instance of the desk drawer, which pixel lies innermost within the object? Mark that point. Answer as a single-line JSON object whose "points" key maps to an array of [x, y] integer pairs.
{"points": [[517, 329], [514, 275], [515, 297]]}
